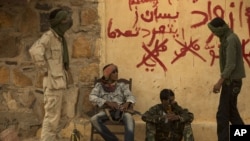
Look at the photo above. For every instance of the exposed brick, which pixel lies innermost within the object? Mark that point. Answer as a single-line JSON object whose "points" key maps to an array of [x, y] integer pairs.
{"points": [[29, 23], [39, 80], [8, 47], [21, 80], [26, 98], [44, 22], [88, 73], [89, 16], [4, 75], [77, 2], [22, 22], [6, 20], [43, 6], [11, 62], [14, 2], [81, 48]]}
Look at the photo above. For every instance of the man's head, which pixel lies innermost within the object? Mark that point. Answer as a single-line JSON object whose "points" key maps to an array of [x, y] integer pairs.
{"points": [[167, 96], [217, 22], [110, 72], [218, 26], [60, 20]]}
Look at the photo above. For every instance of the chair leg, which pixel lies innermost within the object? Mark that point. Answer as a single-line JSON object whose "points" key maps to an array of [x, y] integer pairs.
{"points": [[92, 133]]}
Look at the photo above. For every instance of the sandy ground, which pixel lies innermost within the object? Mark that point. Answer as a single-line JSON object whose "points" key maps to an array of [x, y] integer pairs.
{"points": [[37, 139]]}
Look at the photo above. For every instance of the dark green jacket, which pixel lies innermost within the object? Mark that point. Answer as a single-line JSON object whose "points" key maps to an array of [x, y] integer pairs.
{"points": [[230, 52]]}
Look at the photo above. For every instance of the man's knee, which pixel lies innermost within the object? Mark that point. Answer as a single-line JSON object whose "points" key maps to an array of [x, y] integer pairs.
{"points": [[150, 137]]}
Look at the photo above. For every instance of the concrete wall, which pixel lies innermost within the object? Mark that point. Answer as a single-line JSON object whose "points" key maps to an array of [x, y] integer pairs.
{"points": [[158, 43], [166, 44]]}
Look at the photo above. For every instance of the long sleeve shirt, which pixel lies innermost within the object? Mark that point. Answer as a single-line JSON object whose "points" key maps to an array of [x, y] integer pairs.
{"points": [[231, 60], [230, 53], [46, 53], [121, 94]]}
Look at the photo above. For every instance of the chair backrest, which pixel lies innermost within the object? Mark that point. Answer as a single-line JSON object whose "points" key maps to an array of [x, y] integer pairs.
{"points": [[126, 81]]}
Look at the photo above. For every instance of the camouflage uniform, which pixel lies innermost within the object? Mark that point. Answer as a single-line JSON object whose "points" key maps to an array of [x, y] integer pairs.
{"points": [[158, 129]]}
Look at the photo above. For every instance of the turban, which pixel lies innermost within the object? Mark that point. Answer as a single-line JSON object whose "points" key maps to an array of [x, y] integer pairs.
{"points": [[108, 69], [60, 16]]}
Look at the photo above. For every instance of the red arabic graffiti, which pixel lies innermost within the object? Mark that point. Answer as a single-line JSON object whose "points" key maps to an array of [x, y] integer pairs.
{"points": [[192, 47], [245, 54], [211, 49], [150, 59], [248, 18], [155, 44], [138, 2], [207, 15], [151, 16]]}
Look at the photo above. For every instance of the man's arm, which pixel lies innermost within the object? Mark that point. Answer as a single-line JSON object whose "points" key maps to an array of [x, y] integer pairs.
{"points": [[217, 86], [184, 114], [128, 94], [95, 96], [153, 115], [37, 53], [231, 54]]}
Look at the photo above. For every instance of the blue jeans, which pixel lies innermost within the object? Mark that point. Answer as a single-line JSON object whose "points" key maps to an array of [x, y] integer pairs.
{"points": [[129, 125]]}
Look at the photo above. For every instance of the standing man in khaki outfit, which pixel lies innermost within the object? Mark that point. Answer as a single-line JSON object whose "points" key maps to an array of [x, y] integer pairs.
{"points": [[50, 54]]}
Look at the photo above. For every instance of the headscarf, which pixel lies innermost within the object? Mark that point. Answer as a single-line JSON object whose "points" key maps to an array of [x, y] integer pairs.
{"points": [[219, 31], [108, 70], [218, 26], [60, 28], [106, 84], [60, 16]]}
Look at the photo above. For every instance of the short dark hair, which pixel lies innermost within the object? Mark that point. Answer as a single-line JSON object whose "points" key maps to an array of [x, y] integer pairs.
{"points": [[166, 94]]}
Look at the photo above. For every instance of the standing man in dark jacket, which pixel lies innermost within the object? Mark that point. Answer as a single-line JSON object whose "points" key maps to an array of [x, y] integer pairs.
{"points": [[166, 121], [231, 73]]}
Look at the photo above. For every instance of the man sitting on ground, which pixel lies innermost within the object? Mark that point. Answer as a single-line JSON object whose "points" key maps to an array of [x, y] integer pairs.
{"points": [[166, 121]]}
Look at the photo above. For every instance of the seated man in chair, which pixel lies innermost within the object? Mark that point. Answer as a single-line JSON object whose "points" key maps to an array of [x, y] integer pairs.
{"points": [[116, 96], [168, 121]]}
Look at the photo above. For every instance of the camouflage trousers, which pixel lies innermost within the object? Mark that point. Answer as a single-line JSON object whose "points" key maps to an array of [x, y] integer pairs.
{"points": [[151, 134], [188, 132]]}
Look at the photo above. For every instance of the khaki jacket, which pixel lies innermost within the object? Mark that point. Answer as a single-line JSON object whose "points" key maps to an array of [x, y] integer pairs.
{"points": [[47, 52]]}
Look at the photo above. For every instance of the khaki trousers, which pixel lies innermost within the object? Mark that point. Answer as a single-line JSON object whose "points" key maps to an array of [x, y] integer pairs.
{"points": [[55, 117]]}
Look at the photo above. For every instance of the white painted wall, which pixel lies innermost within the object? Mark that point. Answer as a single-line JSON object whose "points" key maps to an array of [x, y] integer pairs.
{"points": [[193, 74]]}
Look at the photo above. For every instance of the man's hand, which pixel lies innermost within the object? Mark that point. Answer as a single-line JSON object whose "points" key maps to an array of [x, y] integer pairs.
{"points": [[172, 117], [112, 105], [125, 106], [217, 86]]}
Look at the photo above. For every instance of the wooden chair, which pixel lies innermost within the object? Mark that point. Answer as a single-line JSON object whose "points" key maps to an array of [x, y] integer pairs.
{"points": [[108, 122]]}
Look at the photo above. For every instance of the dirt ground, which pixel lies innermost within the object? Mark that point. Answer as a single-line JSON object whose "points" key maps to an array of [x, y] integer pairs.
{"points": [[37, 139]]}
